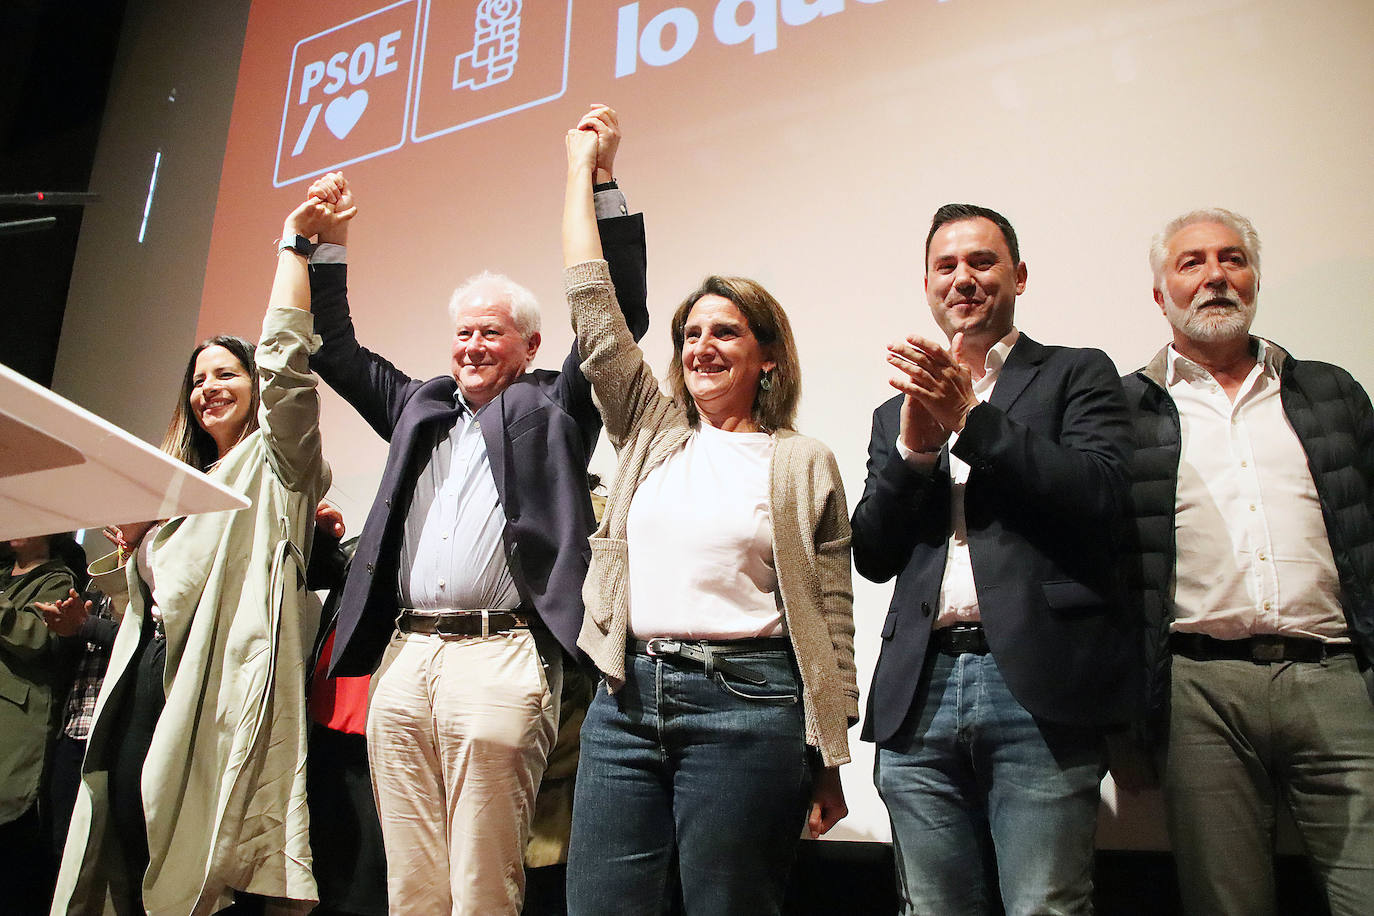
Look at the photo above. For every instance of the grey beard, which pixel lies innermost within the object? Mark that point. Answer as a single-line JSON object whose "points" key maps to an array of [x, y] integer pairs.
{"points": [[1209, 326]]}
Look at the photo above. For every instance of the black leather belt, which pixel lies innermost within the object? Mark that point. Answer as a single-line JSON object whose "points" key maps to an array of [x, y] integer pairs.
{"points": [[1258, 649], [712, 655], [462, 623], [960, 638]]}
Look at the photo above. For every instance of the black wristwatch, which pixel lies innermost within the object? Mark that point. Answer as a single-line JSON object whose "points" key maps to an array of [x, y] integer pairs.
{"points": [[297, 243]]}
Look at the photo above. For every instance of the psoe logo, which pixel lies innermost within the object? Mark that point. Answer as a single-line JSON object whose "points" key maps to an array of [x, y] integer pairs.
{"points": [[483, 59], [348, 93]]}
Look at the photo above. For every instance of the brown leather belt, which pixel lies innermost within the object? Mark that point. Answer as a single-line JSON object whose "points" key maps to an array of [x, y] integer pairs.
{"points": [[1258, 649], [960, 638], [485, 622]]}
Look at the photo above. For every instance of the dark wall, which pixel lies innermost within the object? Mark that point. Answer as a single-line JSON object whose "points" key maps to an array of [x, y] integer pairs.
{"points": [[54, 77]]}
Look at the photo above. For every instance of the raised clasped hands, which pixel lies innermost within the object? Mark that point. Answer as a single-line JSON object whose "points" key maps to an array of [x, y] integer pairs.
{"points": [[581, 144], [325, 212], [602, 123], [938, 389]]}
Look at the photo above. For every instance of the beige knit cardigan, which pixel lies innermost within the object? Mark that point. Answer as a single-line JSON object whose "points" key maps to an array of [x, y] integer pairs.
{"points": [[810, 520]]}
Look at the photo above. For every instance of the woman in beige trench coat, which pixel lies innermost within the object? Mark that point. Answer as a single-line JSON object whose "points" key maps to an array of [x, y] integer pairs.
{"points": [[214, 761]]}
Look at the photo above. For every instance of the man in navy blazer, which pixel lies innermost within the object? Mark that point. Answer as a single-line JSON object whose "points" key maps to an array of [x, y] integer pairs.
{"points": [[467, 578], [995, 480]]}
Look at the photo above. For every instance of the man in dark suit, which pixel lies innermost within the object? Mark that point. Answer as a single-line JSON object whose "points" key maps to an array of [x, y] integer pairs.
{"points": [[467, 578], [994, 481]]}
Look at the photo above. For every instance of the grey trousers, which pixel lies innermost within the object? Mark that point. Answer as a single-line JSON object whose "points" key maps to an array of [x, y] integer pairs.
{"points": [[1246, 737]]}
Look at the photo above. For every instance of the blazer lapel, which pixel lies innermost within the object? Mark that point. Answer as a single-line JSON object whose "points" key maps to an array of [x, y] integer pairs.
{"points": [[492, 419], [1022, 365]]}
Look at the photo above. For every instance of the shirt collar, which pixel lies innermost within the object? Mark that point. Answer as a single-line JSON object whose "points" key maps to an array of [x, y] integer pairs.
{"points": [[996, 359], [1180, 368], [461, 402]]}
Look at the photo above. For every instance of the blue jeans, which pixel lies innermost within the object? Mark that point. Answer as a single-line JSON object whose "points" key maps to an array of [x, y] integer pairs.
{"points": [[706, 775], [981, 794]]}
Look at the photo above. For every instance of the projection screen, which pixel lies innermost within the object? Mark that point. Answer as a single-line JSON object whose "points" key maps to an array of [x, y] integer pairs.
{"points": [[804, 143]]}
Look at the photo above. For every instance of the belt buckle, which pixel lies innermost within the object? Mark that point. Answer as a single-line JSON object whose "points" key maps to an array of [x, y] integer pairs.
{"points": [[662, 645], [1265, 649]]}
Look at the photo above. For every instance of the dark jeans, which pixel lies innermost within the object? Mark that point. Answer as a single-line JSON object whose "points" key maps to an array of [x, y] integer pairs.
{"points": [[708, 775], [135, 720], [63, 785], [26, 868]]}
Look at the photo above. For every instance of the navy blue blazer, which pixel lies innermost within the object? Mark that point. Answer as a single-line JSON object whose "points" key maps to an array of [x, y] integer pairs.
{"points": [[1047, 486], [540, 433]]}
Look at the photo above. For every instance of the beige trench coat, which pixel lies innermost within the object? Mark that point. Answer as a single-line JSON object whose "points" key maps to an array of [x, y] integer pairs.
{"points": [[224, 781]]}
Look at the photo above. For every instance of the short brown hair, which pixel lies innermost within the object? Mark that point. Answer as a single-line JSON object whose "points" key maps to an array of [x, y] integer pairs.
{"points": [[775, 408]]}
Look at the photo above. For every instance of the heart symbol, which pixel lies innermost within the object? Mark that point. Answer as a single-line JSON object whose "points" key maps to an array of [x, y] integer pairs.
{"points": [[343, 113]]}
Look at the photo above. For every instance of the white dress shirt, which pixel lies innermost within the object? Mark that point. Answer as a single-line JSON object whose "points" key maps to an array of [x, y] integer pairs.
{"points": [[452, 556], [1252, 552], [958, 593]]}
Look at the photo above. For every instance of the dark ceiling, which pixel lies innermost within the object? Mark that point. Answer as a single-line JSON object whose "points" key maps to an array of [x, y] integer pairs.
{"points": [[57, 57]]}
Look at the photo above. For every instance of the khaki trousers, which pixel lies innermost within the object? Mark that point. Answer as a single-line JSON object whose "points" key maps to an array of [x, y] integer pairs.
{"points": [[458, 732]]}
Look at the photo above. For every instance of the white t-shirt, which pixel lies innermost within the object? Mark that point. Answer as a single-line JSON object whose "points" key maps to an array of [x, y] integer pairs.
{"points": [[701, 542]]}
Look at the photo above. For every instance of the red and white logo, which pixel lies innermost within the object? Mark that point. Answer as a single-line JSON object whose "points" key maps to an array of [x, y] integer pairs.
{"points": [[348, 95], [483, 59]]}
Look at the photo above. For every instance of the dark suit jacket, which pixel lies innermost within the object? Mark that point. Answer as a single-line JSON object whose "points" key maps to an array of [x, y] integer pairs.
{"points": [[539, 432], [1047, 484]]}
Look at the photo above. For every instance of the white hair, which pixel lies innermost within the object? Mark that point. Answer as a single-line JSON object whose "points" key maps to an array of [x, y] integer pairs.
{"points": [[1242, 227], [524, 308]]}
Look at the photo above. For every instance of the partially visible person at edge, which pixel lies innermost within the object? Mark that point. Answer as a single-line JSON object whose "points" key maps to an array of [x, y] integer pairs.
{"points": [[1253, 504], [31, 572], [193, 795], [86, 623], [718, 602]]}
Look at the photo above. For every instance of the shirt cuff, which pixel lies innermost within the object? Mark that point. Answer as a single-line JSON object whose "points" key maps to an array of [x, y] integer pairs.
{"points": [[610, 203], [918, 461], [329, 253]]}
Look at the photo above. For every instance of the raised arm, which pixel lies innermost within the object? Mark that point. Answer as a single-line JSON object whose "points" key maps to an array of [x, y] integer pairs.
{"points": [[581, 241], [611, 360], [314, 217], [370, 383], [290, 411]]}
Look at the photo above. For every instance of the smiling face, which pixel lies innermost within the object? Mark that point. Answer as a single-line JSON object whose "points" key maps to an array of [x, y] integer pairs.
{"points": [[722, 362], [1208, 284], [488, 350], [221, 397], [971, 281]]}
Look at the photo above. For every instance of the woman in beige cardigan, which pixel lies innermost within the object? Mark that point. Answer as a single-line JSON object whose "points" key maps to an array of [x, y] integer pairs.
{"points": [[718, 604], [193, 786]]}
